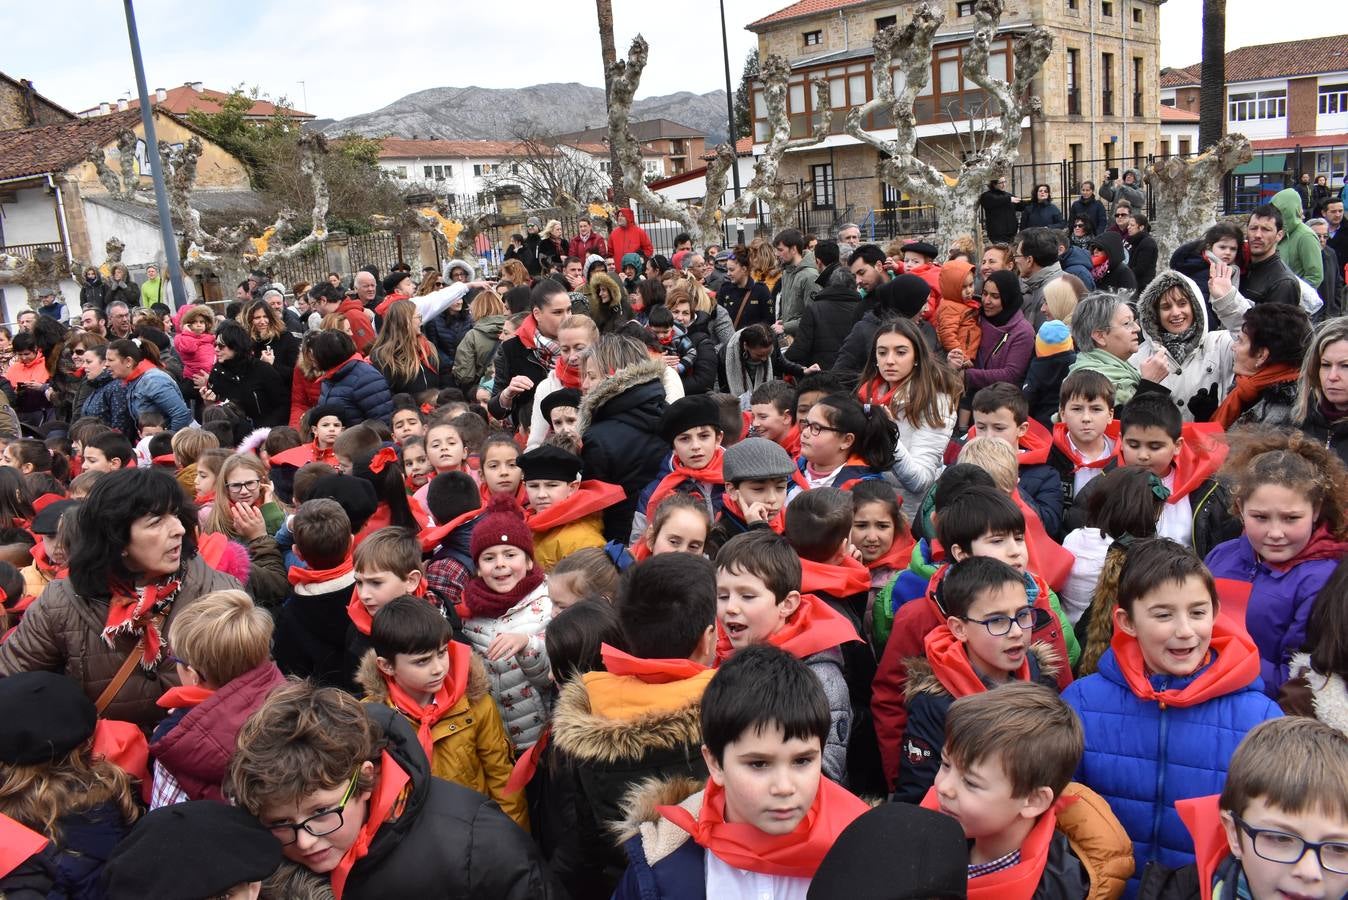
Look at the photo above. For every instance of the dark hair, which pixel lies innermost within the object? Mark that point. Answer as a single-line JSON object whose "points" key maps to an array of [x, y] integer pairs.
{"points": [[967, 579], [322, 532], [659, 317], [543, 292], [757, 336], [1267, 211], [410, 625], [233, 336], [877, 490], [32, 452], [826, 252], [389, 486], [666, 604], [1087, 384], [1223, 230], [575, 635], [1152, 411], [97, 563], [23, 341], [1124, 504], [818, 521], [331, 348], [777, 392], [451, 494], [114, 445], [818, 383], [1002, 395], [875, 433], [11, 582], [1141, 219], [790, 237], [759, 688], [161, 444], [1040, 244], [954, 480], [1155, 562], [974, 512], [652, 292], [867, 253], [15, 500], [1283, 329], [765, 555], [1327, 629]]}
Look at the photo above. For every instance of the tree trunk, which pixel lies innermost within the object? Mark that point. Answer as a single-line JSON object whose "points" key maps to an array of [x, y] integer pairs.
{"points": [[1212, 82], [610, 53], [1187, 192]]}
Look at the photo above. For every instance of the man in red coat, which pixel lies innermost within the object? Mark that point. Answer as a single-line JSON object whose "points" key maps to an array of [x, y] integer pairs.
{"points": [[629, 237]]}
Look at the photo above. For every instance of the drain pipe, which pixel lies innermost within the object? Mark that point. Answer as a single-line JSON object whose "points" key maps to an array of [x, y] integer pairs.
{"points": [[62, 225]]}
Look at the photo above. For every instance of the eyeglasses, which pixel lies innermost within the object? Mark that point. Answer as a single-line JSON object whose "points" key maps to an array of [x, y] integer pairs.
{"points": [[243, 487], [320, 823], [1026, 618], [1288, 849], [814, 429], [220, 345], [1120, 215]]}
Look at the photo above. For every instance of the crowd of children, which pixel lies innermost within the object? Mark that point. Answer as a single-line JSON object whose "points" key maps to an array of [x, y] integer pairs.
{"points": [[432, 659]]}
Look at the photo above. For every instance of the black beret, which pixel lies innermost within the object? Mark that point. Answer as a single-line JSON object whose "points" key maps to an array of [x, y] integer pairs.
{"points": [[923, 247], [43, 716], [392, 280], [190, 851], [689, 412], [327, 409], [561, 397], [356, 495], [49, 516], [862, 864], [549, 463]]}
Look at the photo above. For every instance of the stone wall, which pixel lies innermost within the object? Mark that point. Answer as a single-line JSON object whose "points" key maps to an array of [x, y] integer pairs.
{"points": [[14, 109]]}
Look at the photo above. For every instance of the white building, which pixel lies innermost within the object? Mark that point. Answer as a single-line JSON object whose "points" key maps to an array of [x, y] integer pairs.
{"points": [[1179, 131], [459, 170]]}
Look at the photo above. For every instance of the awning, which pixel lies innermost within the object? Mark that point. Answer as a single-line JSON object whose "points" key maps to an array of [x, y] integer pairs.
{"points": [[1263, 164]]}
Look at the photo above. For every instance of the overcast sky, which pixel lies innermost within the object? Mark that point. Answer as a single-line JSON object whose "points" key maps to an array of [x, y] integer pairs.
{"points": [[358, 55]]}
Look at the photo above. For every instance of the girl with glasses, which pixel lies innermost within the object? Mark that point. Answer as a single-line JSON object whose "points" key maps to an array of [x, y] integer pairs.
{"points": [[841, 443], [245, 511]]}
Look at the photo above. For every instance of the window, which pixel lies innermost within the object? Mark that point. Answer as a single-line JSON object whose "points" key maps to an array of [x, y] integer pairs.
{"points": [[1168, 101], [1139, 153], [821, 178], [1109, 153], [1073, 5], [1073, 88], [1137, 87], [427, 170], [813, 38], [1333, 99], [1257, 105], [964, 8], [401, 171], [439, 173], [886, 22], [514, 168], [1107, 81], [1185, 146], [1137, 15], [477, 169], [1074, 152], [1107, 8]]}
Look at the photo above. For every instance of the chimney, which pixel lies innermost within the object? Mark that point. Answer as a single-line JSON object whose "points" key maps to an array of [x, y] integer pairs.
{"points": [[160, 95], [123, 105], [195, 85], [104, 108]]}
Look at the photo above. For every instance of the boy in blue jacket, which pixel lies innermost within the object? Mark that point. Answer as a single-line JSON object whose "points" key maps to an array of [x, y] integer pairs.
{"points": [[1172, 698]]}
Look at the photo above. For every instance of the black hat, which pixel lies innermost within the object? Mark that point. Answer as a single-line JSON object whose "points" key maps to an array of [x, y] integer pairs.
{"points": [[327, 409], [562, 397], [926, 249], [189, 851], [356, 495], [49, 516], [549, 463], [689, 412], [862, 864], [393, 279], [43, 716], [903, 295]]}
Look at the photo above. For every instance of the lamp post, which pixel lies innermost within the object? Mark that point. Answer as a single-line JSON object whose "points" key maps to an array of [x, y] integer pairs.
{"points": [[156, 167], [730, 123]]}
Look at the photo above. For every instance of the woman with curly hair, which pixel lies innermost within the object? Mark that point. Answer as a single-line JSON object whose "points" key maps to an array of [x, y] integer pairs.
{"points": [[763, 265], [402, 354], [272, 342], [1267, 352]]}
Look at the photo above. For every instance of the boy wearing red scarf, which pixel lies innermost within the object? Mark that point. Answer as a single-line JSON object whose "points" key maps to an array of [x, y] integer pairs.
{"points": [[454, 501], [1001, 411], [1086, 435], [387, 565], [1005, 777], [983, 645], [325, 423], [757, 473], [441, 687], [693, 426], [758, 601], [772, 412], [565, 513], [766, 817]]}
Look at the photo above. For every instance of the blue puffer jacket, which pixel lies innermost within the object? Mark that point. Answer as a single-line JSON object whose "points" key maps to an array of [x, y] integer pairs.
{"points": [[1041, 487], [1142, 755], [1078, 262], [359, 391]]}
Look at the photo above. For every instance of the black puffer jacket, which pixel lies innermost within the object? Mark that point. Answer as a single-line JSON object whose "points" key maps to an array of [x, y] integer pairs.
{"points": [[824, 325], [1333, 435], [360, 391], [254, 387], [449, 841], [513, 358], [445, 331], [620, 437]]}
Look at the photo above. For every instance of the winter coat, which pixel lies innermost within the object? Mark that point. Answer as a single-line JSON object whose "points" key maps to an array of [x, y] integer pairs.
{"points": [[358, 390], [698, 360], [555, 544], [664, 863], [1280, 602], [1043, 380], [748, 305], [1004, 353], [108, 402], [156, 390], [1308, 693], [631, 238], [739, 375], [999, 215], [304, 393], [1299, 247], [1092, 211], [473, 355], [594, 245], [1198, 382], [1142, 756], [469, 745], [1142, 253], [514, 358], [310, 638], [1037, 214], [93, 293], [1077, 261], [1333, 435], [522, 684], [604, 750], [824, 325], [1116, 190], [256, 388], [796, 290], [1117, 277], [551, 250], [619, 426], [919, 451], [445, 332], [1274, 407], [62, 632], [1271, 281], [88, 839], [194, 744], [1188, 259], [492, 856], [197, 351], [425, 378], [285, 348]]}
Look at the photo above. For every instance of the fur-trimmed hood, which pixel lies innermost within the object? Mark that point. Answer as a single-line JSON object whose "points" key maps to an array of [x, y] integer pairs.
{"points": [[587, 736], [617, 384], [371, 680], [659, 836], [459, 264], [922, 680], [1329, 694], [1148, 309]]}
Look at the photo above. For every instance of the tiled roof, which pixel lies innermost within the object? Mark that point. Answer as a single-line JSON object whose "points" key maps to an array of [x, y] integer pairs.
{"points": [[1171, 114], [743, 147], [185, 97], [800, 9], [400, 148], [55, 148], [1289, 59]]}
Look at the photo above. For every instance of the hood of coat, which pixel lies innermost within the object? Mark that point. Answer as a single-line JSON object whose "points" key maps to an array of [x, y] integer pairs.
{"points": [[838, 293], [1112, 243], [953, 273], [1149, 315], [490, 325], [1288, 202], [644, 799], [1076, 257], [614, 394], [589, 737], [371, 680], [616, 292], [459, 264]]}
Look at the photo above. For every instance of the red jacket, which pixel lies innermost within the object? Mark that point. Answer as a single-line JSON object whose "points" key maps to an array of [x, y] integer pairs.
{"points": [[583, 247], [362, 326], [630, 239], [303, 395]]}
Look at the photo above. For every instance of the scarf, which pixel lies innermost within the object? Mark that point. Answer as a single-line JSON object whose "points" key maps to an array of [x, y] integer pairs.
{"points": [[874, 392], [729, 505], [1233, 663], [1247, 389], [141, 368], [360, 616], [1180, 346], [184, 696], [896, 558], [790, 441], [391, 787], [137, 613], [589, 498], [647, 671], [484, 603], [450, 693], [710, 474], [1331, 413], [18, 844], [794, 855], [1119, 371], [298, 575], [1099, 264], [1322, 545], [543, 347], [1063, 442], [432, 537], [951, 666], [813, 628], [834, 579], [567, 376]]}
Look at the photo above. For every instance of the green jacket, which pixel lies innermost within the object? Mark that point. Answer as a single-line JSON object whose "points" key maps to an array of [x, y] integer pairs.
{"points": [[152, 292], [1299, 247]]}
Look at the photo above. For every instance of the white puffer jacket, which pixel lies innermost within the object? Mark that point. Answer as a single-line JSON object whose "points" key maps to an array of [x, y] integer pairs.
{"points": [[519, 684], [918, 455], [1208, 368]]}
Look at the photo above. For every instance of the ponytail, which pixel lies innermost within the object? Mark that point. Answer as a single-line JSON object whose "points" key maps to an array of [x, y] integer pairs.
{"points": [[873, 431]]}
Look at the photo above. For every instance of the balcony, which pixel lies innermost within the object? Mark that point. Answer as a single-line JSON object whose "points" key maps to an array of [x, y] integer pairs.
{"points": [[26, 251], [1106, 103]]}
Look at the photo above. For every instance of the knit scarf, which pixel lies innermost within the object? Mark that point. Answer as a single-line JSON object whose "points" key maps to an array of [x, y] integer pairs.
{"points": [[794, 855], [141, 368], [711, 474], [1118, 371], [1247, 389], [391, 789], [298, 575], [134, 613], [1180, 346], [484, 603], [450, 693], [876, 392], [544, 347], [567, 376]]}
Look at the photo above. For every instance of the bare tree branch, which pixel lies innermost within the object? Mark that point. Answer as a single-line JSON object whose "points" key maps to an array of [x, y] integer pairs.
{"points": [[1187, 192]]}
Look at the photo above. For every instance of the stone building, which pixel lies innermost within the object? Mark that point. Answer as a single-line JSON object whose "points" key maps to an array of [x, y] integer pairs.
{"points": [[21, 106]]}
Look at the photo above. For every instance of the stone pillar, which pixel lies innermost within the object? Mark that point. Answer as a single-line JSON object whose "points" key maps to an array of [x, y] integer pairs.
{"points": [[337, 252], [426, 252]]}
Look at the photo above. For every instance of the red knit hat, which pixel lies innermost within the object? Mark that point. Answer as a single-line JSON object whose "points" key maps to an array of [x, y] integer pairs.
{"points": [[503, 523]]}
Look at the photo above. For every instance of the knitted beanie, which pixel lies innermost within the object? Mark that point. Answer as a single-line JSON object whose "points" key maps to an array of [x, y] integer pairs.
{"points": [[503, 523], [1053, 337], [755, 458]]}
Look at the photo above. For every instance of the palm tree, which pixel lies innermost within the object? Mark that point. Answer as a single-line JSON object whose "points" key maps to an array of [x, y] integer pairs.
{"points": [[1212, 81], [604, 8]]}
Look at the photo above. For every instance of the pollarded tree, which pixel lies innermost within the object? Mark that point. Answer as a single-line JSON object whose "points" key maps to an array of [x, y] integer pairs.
{"points": [[997, 144], [1187, 192]]}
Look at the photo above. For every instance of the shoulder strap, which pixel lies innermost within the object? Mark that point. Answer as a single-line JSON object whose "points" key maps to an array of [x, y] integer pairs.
{"points": [[110, 692]]}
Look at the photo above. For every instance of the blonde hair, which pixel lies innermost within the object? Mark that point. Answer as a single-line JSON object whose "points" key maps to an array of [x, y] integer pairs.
{"points": [[995, 456], [762, 260], [334, 321], [189, 443], [589, 572], [487, 303], [220, 521], [1061, 300], [391, 549], [222, 635], [580, 320], [515, 272], [38, 795], [1309, 392]]}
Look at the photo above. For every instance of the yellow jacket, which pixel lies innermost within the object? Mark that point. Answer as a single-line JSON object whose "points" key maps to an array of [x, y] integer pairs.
{"points": [[34, 582], [552, 545], [470, 745]]}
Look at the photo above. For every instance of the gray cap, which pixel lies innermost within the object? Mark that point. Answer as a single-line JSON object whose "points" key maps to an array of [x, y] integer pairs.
{"points": [[754, 458], [533, 222]]}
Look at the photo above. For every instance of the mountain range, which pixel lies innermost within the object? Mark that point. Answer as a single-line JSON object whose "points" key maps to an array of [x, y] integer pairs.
{"points": [[460, 113]]}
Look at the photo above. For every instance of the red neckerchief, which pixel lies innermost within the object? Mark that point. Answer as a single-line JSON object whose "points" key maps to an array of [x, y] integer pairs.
{"points": [[450, 693], [527, 764], [166, 460], [386, 801], [484, 603], [298, 575], [206, 499], [360, 616], [790, 442], [18, 844], [527, 332], [184, 696], [1322, 545], [813, 628], [1044, 555], [898, 556], [432, 537], [777, 523], [45, 500], [588, 498], [711, 474], [330, 372], [1200, 456], [521, 496], [794, 855], [1063, 441], [134, 614], [141, 368], [835, 579], [389, 300], [648, 671], [1236, 666], [951, 665], [124, 745], [875, 392], [44, 563], [1203, 817], [568, 376], [295, 456]]}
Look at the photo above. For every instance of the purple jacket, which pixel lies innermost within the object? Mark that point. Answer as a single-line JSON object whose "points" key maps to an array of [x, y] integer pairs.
{"points": [[1280, 602], [1004, 353]]}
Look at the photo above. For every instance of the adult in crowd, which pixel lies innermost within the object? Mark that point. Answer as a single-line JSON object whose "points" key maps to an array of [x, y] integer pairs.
{"points": [[905, 297], [356, 310], [1006, 342], [119, 317], [1267, 279], [148, 386], [525, 360], [1089, 209], [472, 359], [1268, 350], [94, 319], [849, 238], [121, 288], [705, 271], [751, 358], [587, 241], [106, 399], [93, 289], [799, 277], [999, 212], [348, 382], [704, 316], [825, 323], [1331, 287], [833, 272], [305, 382], [628, 237], [152, 288], [1336, 234], [447, 330], [272, 341], [1037, 263], [619, 424], [1041, 211], [995, 258], [1142, 250], [134, 567], [763, 266], [576, 334], [1298, 247], [238, 377], [688, 350], [867, 264], [1074, 260], [401, 353], [1105, 333], [1123, 211], [1224, 241], [1109, 266], [1129, 188], [748, 302], [524, 248], [1322, 393], [551, 246], [1081, 232]]}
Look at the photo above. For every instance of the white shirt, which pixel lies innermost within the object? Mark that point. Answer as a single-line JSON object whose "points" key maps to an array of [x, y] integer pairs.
{"points": [[1082, 476], [1177, 519], [725, 882]]}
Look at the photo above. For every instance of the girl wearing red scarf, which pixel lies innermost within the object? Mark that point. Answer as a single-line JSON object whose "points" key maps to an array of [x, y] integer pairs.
{"points": [[880, 534], [693, 426], [575, 334]]}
